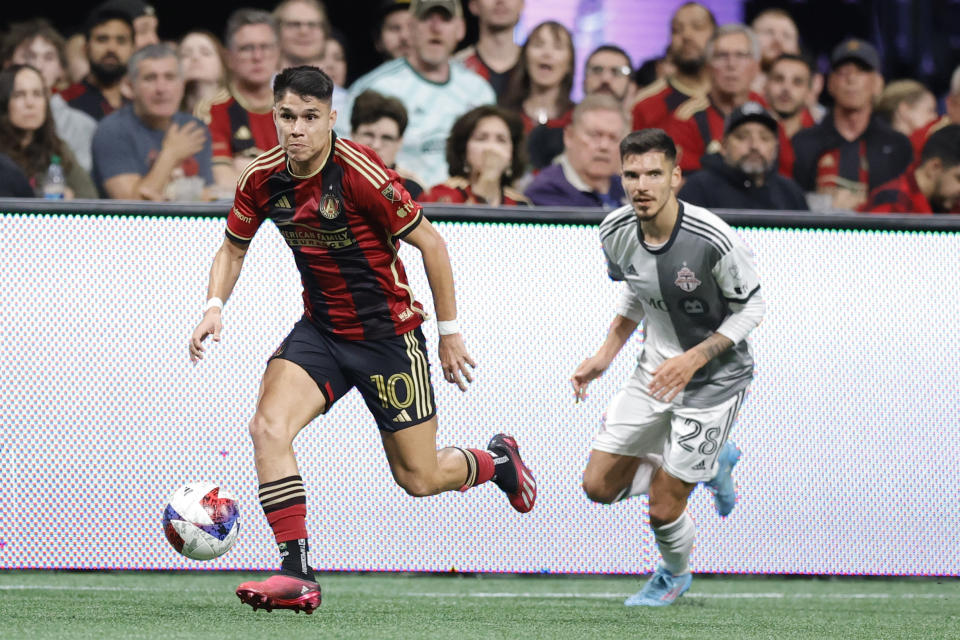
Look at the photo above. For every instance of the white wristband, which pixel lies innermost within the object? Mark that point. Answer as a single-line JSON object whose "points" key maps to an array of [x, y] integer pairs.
{"points": [[213, 302], [447, 327]]}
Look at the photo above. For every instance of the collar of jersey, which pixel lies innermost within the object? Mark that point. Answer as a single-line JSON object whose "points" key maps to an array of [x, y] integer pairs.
{"points": [[673, 234]]}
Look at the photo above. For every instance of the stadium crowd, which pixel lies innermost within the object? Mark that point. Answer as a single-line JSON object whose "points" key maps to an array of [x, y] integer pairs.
{"points": [[114, 112]]}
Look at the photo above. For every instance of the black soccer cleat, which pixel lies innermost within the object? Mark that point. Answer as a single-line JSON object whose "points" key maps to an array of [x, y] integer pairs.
{"points": [[511, 475]]}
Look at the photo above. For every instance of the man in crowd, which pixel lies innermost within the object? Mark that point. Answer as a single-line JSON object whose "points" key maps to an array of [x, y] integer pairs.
{"points": [[495, 55], [608, 70], [380, 122], [109, 44], [434, 90], [392, 37], [952, 102], [303, 29], [733, 57], [241, 118], [744, 174], [691, 27], [932, 187], [788, 87], [148, 150], [852, 151], [588, 172]]}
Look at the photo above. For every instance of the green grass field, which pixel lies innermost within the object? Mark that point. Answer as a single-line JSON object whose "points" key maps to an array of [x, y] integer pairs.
{"points": [[44, 604]]}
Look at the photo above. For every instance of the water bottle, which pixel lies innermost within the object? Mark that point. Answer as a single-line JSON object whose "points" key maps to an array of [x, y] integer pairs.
{"points": [[55, 183]]}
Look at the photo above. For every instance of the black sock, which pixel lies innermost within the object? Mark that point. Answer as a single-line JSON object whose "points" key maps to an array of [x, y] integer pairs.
{"points": [[499, 470], [293, 558]]}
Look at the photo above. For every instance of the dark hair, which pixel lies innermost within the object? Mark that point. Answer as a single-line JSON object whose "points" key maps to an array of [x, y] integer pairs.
{"points": [[106, 14], [610, 48], [35, 157], [462, 130], [244, 18], [944, 144], [713, 18], [646, 73], [518, 85], [645, 140], [370, 106], [802, 58], [28, 31], [303, 81]]}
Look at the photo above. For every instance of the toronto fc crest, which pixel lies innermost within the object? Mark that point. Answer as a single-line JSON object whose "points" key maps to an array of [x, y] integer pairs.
{"points": [[330, 206], [687, 279]]}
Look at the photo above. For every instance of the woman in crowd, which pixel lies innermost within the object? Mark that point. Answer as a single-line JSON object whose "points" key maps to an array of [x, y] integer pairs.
{"points": [[335, 58], [203, 62], [907, 105], [539, 90], [28, 135], [485, 154]]}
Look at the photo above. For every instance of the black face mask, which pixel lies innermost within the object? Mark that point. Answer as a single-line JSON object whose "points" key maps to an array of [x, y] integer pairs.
{"points": [[108, 74]]}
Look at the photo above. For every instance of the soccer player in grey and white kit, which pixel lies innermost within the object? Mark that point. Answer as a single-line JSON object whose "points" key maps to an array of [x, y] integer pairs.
{"points": [[693, 283]]}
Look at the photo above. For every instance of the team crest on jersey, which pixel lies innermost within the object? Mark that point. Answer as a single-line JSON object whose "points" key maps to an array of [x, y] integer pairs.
{"points": [[390, 193], [687, 279], [330, 206]]}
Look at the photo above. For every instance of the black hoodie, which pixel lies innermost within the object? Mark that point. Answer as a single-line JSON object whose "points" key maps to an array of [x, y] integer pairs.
{"points": [[721, 186]]}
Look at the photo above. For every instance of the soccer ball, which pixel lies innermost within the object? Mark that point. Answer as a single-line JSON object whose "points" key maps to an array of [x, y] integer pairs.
{"points": [[201, 521]]}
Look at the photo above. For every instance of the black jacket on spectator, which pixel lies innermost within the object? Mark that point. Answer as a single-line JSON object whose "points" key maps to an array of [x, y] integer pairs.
{"points": [[13, 183], [719, 185], [879, 155]]}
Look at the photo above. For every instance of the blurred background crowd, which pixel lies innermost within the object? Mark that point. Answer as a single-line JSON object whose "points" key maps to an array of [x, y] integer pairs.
{"points": [[839, 106]]}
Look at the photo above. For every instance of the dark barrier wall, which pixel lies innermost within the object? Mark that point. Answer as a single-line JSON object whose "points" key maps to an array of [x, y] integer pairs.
{"points": [[850, 432]]}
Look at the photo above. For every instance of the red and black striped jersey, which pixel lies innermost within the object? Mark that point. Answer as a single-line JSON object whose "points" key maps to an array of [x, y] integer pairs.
{"points": [[920, 136], [88, 98], [457, 190], [900, 195], [343, 224], [786, 154], [498, 79], [697, 129], [235, 130], [657, 101]]}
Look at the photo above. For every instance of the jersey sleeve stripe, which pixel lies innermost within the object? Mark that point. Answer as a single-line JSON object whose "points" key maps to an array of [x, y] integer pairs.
{"points": [[705, 230], [410, 226], [711, 240], [346, 150], [268, 160], [239, 238]]}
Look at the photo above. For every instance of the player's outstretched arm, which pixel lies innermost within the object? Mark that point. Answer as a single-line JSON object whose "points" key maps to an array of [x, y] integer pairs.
{"points": [[223, 277], [593, 367], [454, 359]]}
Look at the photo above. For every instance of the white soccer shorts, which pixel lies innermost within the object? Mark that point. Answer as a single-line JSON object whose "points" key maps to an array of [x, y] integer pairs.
{"points": [[637, 424]]}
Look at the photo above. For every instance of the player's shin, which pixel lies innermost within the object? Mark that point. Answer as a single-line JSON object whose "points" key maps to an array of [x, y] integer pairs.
{"points": [[675, 541]]}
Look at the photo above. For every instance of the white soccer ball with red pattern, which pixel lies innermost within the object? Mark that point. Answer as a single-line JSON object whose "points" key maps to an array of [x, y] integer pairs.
{"points": [[201, 520]]}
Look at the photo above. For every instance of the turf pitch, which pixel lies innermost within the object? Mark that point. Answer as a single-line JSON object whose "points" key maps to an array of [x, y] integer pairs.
{"points": [[47, 604]]}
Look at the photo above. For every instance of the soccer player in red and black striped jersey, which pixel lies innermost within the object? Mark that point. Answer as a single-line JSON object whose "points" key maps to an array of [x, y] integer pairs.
{"points": [[343, 213], [932, 187]]}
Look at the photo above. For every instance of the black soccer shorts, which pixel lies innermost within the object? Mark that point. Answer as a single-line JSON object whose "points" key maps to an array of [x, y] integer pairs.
{"points": [[392, 374]]}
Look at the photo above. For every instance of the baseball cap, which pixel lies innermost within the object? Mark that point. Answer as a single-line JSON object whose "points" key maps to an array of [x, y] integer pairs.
{"points": [[856, 50], [750, 112], [419, 8]]}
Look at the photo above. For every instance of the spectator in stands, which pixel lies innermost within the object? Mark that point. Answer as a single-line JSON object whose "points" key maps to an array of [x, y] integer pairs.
{"points": [[777, 34], [109, 43], [608, 70], [484, 153], [649, 71], [744, 174], [952, 102], [788, 87], [906, 105], [692, 26], [28, 135], [77, 64], [143, 17], [13, 182], [379, 122], [204, 66], [539, 90], [393, 35], [434, 90], [148, 150], [496, 55], [733, 57], [588, 172], [303, 29], [334, 62], [852, 151], [38, 44], [241, 118], [932, 187]]}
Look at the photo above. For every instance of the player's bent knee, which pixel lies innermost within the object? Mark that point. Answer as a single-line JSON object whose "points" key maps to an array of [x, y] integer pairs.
{"points": [[600, 492], [267, 433], [662, 514], [418, 486]]}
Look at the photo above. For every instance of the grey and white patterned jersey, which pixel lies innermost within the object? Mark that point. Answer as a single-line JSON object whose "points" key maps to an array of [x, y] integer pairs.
{"points": [[685, 290]]}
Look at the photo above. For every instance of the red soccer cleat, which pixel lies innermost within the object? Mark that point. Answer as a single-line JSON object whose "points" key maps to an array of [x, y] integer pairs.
{"points": [[281, 591], [514, 478]]}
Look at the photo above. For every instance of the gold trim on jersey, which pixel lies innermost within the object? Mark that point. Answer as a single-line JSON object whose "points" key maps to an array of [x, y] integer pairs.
{"points": [[457, 182], [266, 160], [418, 370], [318, 169], [686, 89], [243, 102], [202, 109], [515, 195], [688, 108], [393, 267], [238, 236], [651, 89], [364, 165]]}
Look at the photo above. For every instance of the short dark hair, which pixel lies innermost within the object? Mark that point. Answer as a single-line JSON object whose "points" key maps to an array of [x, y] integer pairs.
{"points": [[643, 141], [106, 14], [303, 81], [462, 130], [802, 58], [611, 48], [371, 106], [943, 144]]}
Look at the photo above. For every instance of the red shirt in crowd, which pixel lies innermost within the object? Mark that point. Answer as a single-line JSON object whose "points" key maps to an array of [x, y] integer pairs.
{"points": [[656, 102], [235, 130], [457, 190], [697, 129], [900, 195], [786, 146]]}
